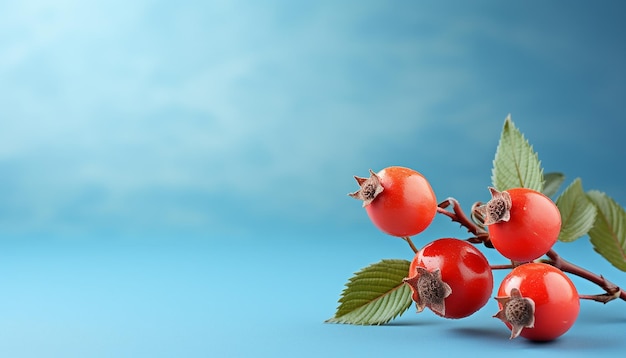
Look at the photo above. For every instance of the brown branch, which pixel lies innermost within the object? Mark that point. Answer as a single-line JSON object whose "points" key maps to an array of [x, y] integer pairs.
{"points": [[612, 290], [602, 298], [457, 215], [410, 242], [502, 267]]}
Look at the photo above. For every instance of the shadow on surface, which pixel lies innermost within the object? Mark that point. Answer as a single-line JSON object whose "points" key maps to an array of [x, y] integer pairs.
{"points": [[500, 337], [491, 333], [412, 322], [603, 315]]}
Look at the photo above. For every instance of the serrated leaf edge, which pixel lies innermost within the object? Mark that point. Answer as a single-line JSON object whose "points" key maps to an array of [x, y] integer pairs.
{"points": [[575, 226], [397, 293], [509, 130], [618, 259], [368, 307]]}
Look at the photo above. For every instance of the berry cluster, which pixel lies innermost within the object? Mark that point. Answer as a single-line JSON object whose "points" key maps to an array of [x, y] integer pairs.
{"points": [[452, 278]]}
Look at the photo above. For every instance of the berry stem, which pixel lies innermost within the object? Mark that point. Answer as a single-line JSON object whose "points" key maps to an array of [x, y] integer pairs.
{"points": [[612, 290], [502, 267], [457, 215], [603, 298], [410, 242]]}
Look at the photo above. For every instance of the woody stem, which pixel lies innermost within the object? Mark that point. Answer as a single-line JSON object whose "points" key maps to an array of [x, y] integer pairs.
{"points": [[612, 290], [458, 215], [410, 242]]}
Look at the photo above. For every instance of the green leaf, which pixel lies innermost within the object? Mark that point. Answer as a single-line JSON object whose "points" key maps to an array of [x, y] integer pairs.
{"points": [[375, 295], [516, 165], [608, 234], [578, 213], [552, 183]]}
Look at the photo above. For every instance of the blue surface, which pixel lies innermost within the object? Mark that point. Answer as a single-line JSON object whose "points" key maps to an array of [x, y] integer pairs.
{"points": [[244, 298], [173, 175]]}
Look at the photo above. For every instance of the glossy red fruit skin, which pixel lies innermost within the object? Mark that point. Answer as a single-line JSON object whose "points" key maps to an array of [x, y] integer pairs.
{"points": [[464, 268], [557, 303], [531, 231], [407, 205]]}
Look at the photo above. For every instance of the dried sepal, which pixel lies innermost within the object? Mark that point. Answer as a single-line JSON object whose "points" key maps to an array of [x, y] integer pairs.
{"points": [[369, 189], [496, 210], [517, 311], [429, 290]]}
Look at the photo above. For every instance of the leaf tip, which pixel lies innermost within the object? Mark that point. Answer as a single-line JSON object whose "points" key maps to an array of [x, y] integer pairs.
{"points": [[508, 121]]}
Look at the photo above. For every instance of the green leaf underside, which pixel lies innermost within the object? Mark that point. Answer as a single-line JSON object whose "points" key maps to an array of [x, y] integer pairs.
{"points": [[375, 295], [516, 165], [578, 213], [608, 234], [552, 183]]}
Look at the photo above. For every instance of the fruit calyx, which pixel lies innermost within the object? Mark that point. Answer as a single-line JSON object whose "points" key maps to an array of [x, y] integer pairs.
{"points": [[517, 311], [369, 189], [429, 290], [498, 209]]}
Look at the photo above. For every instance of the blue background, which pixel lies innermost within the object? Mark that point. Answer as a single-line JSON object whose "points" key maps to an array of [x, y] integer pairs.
{"points": [[173, 175]]}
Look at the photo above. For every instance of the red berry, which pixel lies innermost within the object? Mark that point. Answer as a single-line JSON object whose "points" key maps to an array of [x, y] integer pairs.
{"points": [[523, 224], [399, 201], [451, 277], [537, 301]]}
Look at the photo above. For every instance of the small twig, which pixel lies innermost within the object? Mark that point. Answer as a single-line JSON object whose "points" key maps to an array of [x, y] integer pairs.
{"points": [[410, 242], [602, 298], [612, 290], [502, 267], [457, 215]]}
